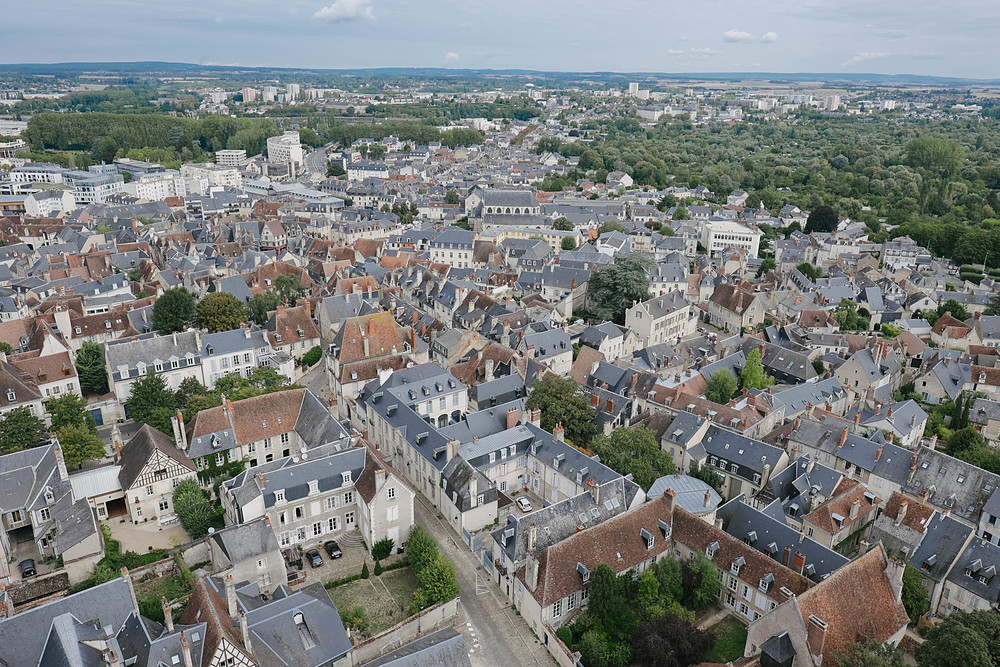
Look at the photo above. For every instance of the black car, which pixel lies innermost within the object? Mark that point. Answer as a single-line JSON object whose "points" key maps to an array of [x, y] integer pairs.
{"points": [[333, 549], [314, 558], [27, 568]]}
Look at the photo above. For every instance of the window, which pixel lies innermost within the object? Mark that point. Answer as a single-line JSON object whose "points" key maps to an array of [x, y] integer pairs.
{"points": [[454, 399], [334, 524], [43, 514], [299, 512], [745, 592], [390, 493], [346, 477], [571, 602], [220, 458], [279, 496], [149, 490], [732, 583], [503, 486], [557, 609], [330, 503], [349, 519], [744, 609], [284, 438], [317, 528], [174, 363], [392, 513], [349, 498], [164, 505]]}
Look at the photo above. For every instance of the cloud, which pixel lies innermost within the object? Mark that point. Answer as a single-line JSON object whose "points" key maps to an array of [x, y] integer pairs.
{"points": [[861, 57], [674, 52], [769, 37], [342, 11], [705, 51], [451, 57], [738, 36]]}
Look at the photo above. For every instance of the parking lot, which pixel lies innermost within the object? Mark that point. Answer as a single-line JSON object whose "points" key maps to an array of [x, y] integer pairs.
{"points": [[355, 555], [535, 500]]}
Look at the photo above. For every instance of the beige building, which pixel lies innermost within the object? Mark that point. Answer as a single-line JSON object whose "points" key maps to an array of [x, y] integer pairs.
{"points": [[664, 319], [151, 468]]}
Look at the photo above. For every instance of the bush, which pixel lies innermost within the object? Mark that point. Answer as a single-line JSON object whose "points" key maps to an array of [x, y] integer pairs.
{"points": [[378, 568], [195, 511], [565, 635], [382, 549], [364, 571], [333, 583], [312, 356], [355, 618]]}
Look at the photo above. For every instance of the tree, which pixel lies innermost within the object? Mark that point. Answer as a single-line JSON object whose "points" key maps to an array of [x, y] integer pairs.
{"points": [[846, 315], [700, 581], [561, 401], [20, 430], [615, 287], [312, 356], [152, 403], [963, 440], [636, 451], [707, 474], [70, 410], [809, 271], [364, 570], [889, 331], [260, 305], [610, 226], [90, 369], [382, 548], [822, 219], [753, 376], [609, 603], [437, 581], [193, 508], [935, 154], [668, 641], [915, 597], [452, 197], [956, 309], [680, 213], [957, 641], [335, 169], [870, 654], [173, 311], [290, 288], [568, 243], [420, 548], [766, 266], [994, 307], [79, 444], [221, 311], [563, 225], [721, 386]]}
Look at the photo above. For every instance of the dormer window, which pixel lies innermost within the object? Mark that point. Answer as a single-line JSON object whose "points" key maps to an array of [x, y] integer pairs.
{"points": [[711, 550], [313, 487], [11, 396], [584, 572], [737, 565], [346, 477], [647, 538], [279, 496], [665, 529]]}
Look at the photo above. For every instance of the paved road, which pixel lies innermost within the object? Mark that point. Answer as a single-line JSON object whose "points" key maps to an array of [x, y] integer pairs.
{"points": [[493, 633], [315, 162], [316, 380]]}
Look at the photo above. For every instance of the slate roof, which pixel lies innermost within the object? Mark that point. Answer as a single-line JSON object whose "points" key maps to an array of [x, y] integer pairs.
{"points": [[943, 541], [951, 484], [979, 561], [443, 648]]}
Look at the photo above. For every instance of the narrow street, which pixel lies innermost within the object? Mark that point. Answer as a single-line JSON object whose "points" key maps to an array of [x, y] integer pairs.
{"points": [[494, 634]]}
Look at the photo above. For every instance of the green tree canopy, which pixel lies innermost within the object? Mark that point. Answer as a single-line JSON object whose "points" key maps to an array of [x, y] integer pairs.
{"points": [[721, 386], [935, 154], [195, 511], [563, 225], [220, 311], [20, 430], [561, 401], [707, 474], [962, 640], [90, 368], [610, 226], [70, 410], [870, 654], [438, 582], [956, 309], [809, 271], [260, 305], [680, 213], [452, 197], [151, 402], [753, 376], [915, 596], [568, 243], [669, 641], [290, 288], [634, 450], [822, 219], [420, 548], [79, 444], [173, 311], [615, 287]]}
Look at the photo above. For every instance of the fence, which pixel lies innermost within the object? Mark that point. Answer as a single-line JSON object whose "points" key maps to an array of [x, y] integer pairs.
{"points": [[426, 621]]}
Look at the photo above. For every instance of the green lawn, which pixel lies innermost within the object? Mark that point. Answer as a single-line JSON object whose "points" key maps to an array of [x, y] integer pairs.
{"points": [[730, 640], [385, 600]]}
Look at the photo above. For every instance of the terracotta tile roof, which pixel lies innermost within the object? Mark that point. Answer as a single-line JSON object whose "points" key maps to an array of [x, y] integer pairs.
{"points": [[288, 322], [369, 247], [12, 330], [584, 362], [917, 517], [814, 319], [990, 376], [359, 285], [844, 496], [953, 328], [47, 369], [732, 298], [206, 606], [857, 604], [473, 371], [14, 379], [252, 419], [379, 329], [272, 270], [696, 535]]}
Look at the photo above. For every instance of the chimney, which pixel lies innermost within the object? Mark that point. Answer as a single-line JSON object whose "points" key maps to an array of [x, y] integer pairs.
{"points": [[888, 413], [878, 453], [118, 452], [799, 561], [708, 497], [473, 490], [719, 522], [595, 400], [168, 614], [816, 636], [595, 491], [308, 307], [245, 632], [901, 514], [416, 316], [843, 436], [878, 409], [186, 651], [609, 406], [531, 572], [536, 418], [60, 461], [490, 365], [367, 346], [379, 477], [923, 495], [532, 535], [810, 466], [231, 596], [786, 556], [855, 508], [131, 589], [558, 433], [281, 311], [512, 416], [451, 450]]}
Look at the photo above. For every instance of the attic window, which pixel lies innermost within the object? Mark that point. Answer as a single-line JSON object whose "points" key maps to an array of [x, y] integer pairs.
{"points": [[711, 550], [961, 479], [665, 528], [10, 395], [647, 538], [584, 572]]}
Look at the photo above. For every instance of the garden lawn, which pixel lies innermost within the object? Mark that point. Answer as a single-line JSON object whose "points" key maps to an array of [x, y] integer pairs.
{"points": [[385, 599], [730, 640]]}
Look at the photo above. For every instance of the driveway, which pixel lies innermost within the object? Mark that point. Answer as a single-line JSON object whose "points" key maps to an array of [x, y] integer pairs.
{"points": [[338, 568], [146, 536], [493, 633]]}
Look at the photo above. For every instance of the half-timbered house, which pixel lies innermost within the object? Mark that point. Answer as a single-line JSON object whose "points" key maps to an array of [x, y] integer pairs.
{"points": [[151, 467]]}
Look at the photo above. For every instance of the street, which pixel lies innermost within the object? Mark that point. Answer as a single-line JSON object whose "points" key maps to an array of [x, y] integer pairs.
{"points": [[315, 162], [493, 633]]}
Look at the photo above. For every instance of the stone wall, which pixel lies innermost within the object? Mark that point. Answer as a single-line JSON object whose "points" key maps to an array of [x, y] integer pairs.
{"points": [[430, 619], [38, 587]]}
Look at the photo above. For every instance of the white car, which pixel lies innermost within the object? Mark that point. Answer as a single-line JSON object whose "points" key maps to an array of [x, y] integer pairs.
{"points": [[524, 504]]}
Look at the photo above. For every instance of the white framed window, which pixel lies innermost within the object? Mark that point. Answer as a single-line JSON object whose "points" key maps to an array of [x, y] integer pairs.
{"points": [[346, 477], [334, 524], [557, 609], [390, 493], [164, 505], [349, 519], [330, 503], [317, 529], [43, 514], [149, 490], [284, 438], [279, 496], [349, 498]]}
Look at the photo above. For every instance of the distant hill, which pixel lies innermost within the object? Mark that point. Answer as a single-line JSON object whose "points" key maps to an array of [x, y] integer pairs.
{"points": [[156, 67]]}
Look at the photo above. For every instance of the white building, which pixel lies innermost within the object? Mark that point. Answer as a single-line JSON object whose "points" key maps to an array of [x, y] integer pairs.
{"points": [[158, 186], [293, 90], [231, 157], [269, 93], [664, 319], [204, 175], [717, 235], [249, 95], [286, 149]]}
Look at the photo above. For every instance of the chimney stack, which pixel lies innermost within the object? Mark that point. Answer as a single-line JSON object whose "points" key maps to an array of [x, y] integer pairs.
{"points": [[531, 572], [168, 614], [512, 417], [708, 497], [799, 561], [595, 491], [245, 632], [857, 417], [901, 514], [231, 596], [558, 433], [786, 556], [186, 651], [843, 436], [816, 636], [855, 508], [532, 535], [536, 418]]}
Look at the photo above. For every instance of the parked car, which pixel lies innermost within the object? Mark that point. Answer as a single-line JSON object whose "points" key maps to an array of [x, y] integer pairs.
{"points": [[333, 549], [27, 568], [524, 504], [314, 558]]}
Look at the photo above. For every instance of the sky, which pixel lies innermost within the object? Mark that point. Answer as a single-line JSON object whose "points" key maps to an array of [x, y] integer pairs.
{"points": [[955, 38]]}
